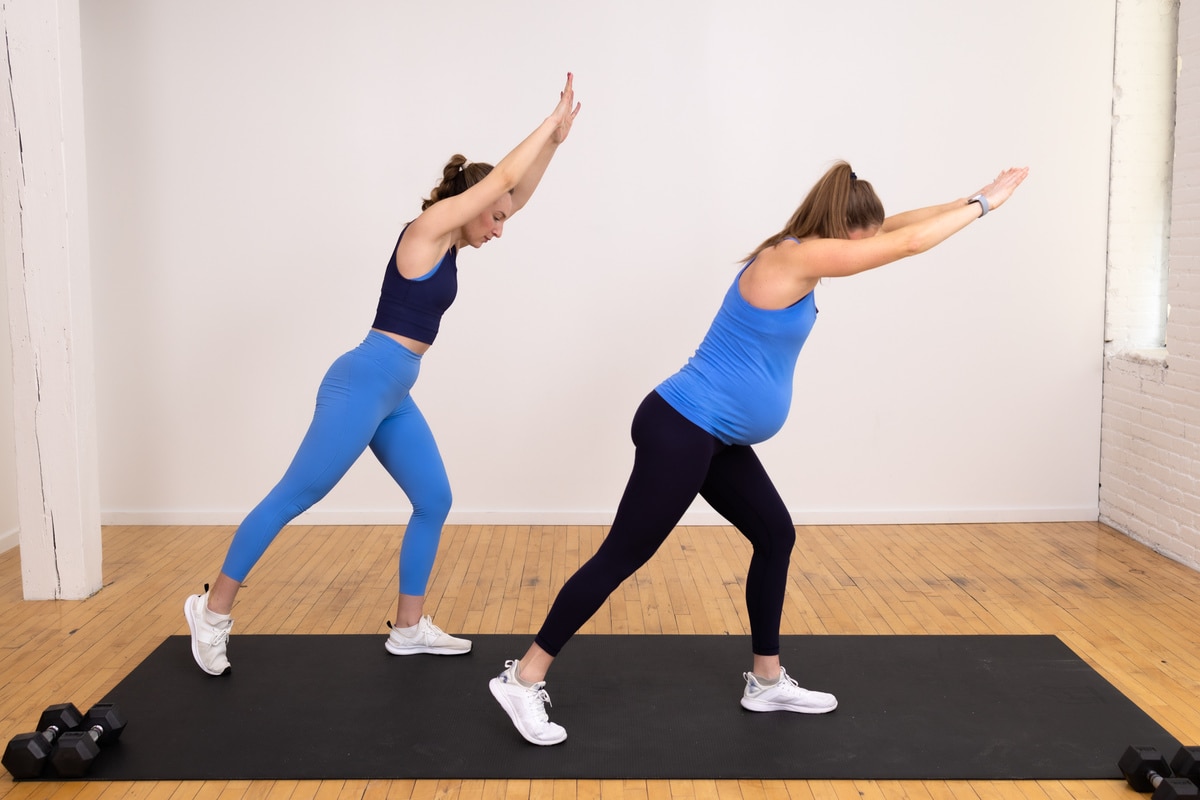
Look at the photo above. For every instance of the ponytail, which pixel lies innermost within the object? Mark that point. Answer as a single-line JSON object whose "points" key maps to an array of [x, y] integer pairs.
{"points": [[457, 176], [838, 203]]}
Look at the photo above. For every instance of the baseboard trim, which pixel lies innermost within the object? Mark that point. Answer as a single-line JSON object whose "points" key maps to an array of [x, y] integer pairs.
{"points": [[10, 539], [701, 516]]}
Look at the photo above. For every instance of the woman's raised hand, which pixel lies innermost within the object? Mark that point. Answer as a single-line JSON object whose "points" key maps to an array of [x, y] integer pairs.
{"points": [[999, 190], [563, 112]]}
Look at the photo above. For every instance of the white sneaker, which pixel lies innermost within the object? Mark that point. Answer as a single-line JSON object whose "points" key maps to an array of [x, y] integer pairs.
{"points": [[526, 707], [786, 695], [426, 638], [208, 641]]}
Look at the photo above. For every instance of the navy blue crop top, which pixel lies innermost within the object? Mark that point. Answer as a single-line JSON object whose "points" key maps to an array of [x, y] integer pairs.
{"points": [[414, 307]]}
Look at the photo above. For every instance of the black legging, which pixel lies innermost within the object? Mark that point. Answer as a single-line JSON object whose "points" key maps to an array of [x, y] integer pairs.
{"points": [[675, 461]]}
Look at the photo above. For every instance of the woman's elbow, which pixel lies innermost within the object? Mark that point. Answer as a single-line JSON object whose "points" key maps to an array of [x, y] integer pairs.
{"points": [[915, 243], [506, 176]]}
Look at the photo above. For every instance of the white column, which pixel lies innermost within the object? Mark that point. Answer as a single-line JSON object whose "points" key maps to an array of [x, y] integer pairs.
{"points": [[45, 239], [1140, 178]]}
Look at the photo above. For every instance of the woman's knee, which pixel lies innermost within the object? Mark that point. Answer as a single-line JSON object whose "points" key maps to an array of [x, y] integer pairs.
{"points": [[433, 500], [775, 540], [785, 536]]}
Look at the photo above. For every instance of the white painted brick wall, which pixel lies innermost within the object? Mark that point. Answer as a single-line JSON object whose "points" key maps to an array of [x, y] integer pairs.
{"points": [[1150, 441]]}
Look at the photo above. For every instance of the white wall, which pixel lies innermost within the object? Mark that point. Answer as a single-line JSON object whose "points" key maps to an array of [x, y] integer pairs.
{"points": [[250, 165], [9, 526], [1152, 399]]}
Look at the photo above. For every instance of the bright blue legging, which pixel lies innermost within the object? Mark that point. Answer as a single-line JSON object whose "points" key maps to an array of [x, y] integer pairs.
{"points": [[363, 402]]}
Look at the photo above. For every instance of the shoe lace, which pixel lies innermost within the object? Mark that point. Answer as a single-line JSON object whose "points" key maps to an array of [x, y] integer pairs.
{"points": [[220, 634], [427, 627], [790, 685], [786, 683], [537, 697], [536, 700]]}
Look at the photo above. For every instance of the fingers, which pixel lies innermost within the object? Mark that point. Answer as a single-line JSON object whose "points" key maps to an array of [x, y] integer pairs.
{"points": [[567, 109], [566, 98], [568, 92], [1005, 184], [1015, 173], [1010, 177]]}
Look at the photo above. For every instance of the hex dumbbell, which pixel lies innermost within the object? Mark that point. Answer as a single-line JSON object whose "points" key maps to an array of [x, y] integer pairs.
{"points": [[27, 753], [1146, 770], [77, 750], [1186, 764]]}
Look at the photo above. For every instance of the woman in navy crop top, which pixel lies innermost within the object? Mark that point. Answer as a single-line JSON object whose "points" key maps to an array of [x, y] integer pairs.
{"points": [[694, 432], [364, 400]]}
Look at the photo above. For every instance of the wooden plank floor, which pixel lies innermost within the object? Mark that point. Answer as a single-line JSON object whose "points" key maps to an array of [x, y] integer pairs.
{"points": [[1133, 615]]}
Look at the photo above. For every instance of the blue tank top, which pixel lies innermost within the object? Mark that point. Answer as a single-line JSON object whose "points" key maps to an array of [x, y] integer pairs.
{"points": [[414, 307], [738, 385]]}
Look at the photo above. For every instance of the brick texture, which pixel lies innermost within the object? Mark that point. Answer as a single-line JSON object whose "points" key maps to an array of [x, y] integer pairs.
{"points": [[1150, 438]]}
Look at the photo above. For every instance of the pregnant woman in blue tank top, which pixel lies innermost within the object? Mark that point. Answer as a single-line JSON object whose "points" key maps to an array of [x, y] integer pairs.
{"points": [[364, 399], [694, 432]]}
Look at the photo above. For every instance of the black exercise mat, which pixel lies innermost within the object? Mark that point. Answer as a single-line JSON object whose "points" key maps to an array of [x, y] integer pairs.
{"points": [[911, 707]]}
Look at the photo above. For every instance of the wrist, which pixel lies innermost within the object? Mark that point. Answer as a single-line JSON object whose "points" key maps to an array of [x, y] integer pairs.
{"points": [[981, 200]]}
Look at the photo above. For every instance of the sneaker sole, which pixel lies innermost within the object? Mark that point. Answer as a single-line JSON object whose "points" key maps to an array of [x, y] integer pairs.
{"points": [[494, 685], [187, 612], [757, 705], [434, 651]]}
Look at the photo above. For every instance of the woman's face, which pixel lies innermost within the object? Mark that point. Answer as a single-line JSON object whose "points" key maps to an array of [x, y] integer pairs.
{"points": [[489, 224]]}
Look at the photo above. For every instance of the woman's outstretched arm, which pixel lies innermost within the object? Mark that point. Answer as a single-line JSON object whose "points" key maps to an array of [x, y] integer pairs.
{"points": [[429, 235]]}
